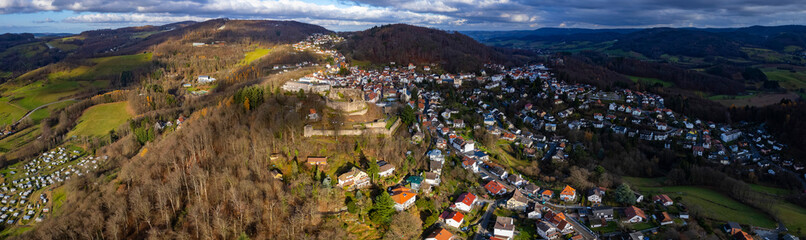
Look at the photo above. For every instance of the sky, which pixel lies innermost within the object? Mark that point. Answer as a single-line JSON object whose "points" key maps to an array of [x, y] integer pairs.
{"points": [[74, 16]]}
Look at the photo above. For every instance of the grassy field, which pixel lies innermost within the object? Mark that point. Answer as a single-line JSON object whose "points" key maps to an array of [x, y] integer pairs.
{"points": [[758, 100], [720, 207], [652, 81], [59, 195], [786, 79], [254, 55], [791, 215], [100, 119], [712, 204], [769, 190], [715, 205], [62, 84], [61, 45], [10, 113], [19, 139]]}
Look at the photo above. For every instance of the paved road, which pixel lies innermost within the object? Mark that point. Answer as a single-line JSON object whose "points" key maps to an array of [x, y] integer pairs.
{"points": [[485, 220], [582, 229], [40, 107]]}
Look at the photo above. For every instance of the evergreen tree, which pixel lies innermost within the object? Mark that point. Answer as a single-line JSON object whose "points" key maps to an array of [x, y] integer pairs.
{"points": [[624, 194], [383, 209]]}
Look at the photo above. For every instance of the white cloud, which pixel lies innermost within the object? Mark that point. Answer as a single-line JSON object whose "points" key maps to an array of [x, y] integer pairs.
{"points": [[130, 17]]}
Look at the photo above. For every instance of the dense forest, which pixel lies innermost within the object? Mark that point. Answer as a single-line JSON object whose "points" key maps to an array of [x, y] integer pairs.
{"points": [[404, 44]]}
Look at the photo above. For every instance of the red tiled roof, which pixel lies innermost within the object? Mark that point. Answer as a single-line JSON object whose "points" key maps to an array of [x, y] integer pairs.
{"points": [[466, 198], [568, 191], [633, 211], [494, 187], [441, 234]]}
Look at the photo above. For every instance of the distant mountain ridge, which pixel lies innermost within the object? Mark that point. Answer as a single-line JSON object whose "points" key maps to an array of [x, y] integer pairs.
{"points": [[696, 42]]}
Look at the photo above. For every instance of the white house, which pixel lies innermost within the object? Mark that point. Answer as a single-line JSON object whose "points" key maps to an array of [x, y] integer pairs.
{"points": [[386, 169], [453, 219], [465, 202], [403, 197], [634, 215], [546, 230], [205, 79], [504, 227]]}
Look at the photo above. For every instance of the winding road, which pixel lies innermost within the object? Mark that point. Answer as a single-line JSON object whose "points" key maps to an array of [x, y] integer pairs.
{"points": [[40, 107]]}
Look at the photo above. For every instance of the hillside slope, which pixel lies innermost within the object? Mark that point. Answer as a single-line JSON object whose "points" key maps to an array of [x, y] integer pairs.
{"points": [[405, 44]]}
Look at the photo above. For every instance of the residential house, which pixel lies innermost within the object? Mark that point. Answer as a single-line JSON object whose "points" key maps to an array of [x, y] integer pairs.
{"points": [[470, 164], [386, 169], [205, 79], [546, 194], [436, 155], [530, 189], [316, 161], [312, 115], [732, 228], [602, 212], [508, 136], [504, 227], [665, 219], [730, 136], [432, 178], [742, 235], [568, 194], [403, 197], [517, 202], [499, 172], [415, 182], [354, 179], [451, 218], [636, 236], [440, 234], [536, 211], [663, 199], [634, 215], [595, 195], [465, 202], [547, 231], [495, 188], [441, 143], [516, 180], [436, 166]]}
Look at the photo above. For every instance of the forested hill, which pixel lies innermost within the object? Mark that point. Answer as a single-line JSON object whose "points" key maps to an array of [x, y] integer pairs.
{"points": [[23, 52], [136, 39], [404, 44]]}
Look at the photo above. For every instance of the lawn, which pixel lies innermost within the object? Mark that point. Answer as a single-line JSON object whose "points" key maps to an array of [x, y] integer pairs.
{"points": [[254, 55], [10, 113], [642, 226], [652, 81], [714, 205], [612, 226], [100, 119]]}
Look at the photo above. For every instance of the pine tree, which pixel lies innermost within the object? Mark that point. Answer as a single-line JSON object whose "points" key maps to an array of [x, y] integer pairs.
{"points": [[382, 212]]}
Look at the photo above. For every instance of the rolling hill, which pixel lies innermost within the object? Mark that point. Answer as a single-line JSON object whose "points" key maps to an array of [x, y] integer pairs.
{"points": [[404, 44]]}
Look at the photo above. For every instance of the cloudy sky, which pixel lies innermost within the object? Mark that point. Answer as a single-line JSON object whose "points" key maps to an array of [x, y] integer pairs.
{"points": [[343, 15]]}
